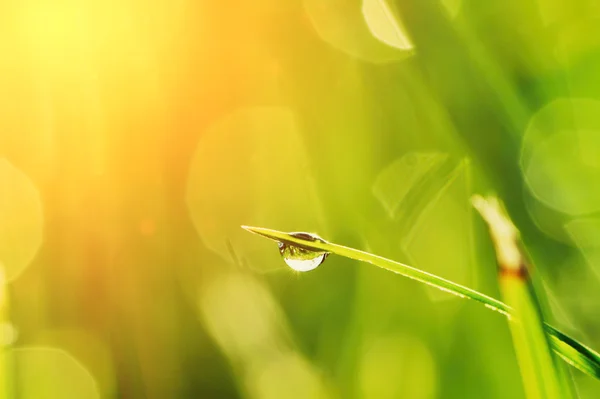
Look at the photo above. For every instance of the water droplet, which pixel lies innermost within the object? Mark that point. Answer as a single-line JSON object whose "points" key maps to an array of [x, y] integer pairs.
{"points": [[299, 258]]}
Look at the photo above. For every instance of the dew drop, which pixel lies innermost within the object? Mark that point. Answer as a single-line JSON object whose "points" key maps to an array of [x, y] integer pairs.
{"points": [[299, 258]]}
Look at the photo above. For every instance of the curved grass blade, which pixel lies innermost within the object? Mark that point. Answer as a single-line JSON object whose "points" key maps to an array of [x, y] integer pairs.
{"points": [[569, 349], [574, 352]]}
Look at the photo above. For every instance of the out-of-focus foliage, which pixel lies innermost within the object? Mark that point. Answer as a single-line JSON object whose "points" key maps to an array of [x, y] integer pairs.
{"points": [[138, 136], [385, 24], [20, 220], [561, 156], [46, 373], [251, 166]]}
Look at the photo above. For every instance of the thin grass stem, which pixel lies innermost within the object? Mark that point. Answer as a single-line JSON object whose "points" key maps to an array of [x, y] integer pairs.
{"points": [[569, 349]]}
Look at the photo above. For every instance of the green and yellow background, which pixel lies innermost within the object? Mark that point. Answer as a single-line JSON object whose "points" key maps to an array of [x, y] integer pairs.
{"points": [[137, 136]]}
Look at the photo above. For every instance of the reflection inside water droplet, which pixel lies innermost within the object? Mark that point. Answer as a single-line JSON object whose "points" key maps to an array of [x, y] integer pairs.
{"points": [[299, 258]]}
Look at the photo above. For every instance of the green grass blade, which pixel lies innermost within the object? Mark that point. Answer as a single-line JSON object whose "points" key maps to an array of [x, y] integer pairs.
{"points": [[570, 350], [387, 264], [541, 378], [574, 352]]}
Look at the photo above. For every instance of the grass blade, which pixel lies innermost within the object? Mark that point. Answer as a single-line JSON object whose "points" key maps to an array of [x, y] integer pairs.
{"points": [[570, 350], [541, 379]]}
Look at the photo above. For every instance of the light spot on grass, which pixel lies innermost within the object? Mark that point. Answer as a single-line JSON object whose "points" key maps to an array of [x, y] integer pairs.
{"points": [[503, 312]]}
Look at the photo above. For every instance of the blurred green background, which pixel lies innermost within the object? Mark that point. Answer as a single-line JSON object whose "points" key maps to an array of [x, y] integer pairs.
{"points": [[137, 136]]}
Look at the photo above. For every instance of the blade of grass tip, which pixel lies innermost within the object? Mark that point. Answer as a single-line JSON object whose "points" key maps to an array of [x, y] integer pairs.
{"points": [[541, 379], [569, 349], [387, 264]]}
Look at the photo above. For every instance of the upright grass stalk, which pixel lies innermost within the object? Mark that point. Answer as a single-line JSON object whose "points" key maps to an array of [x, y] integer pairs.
{"points": [[570, 350], [541, 379]]}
